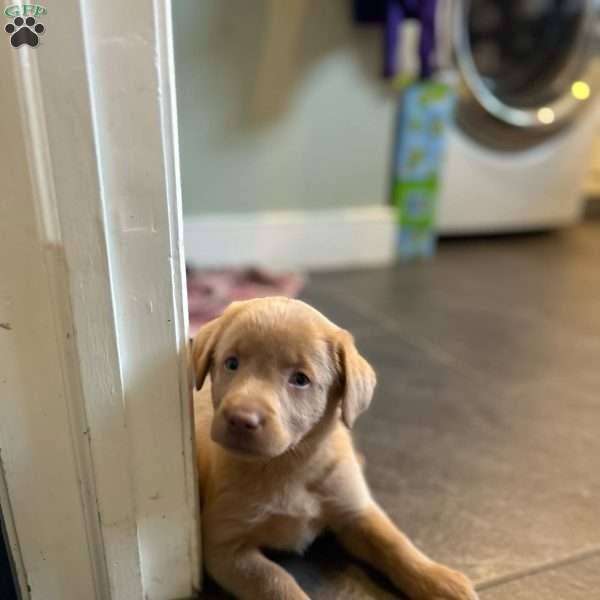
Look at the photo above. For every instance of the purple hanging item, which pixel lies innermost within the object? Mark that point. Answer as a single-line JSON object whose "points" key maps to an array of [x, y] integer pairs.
{"points": [[392, 14], [427, 41]]}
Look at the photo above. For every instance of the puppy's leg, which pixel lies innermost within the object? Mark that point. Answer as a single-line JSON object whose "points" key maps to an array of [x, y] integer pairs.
{"points": [[372, 537], [249, 575]]}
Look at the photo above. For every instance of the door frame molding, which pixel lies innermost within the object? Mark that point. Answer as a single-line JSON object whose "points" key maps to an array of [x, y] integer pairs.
{"points": [[98, 480]]}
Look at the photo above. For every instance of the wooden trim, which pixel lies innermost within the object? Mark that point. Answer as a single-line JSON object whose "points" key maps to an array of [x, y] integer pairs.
{"points": [[97, 434], [51, 526]]}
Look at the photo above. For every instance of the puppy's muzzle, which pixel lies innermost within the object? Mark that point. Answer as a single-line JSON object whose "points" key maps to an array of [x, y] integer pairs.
{"points": [[249, 426], [243, 421]]}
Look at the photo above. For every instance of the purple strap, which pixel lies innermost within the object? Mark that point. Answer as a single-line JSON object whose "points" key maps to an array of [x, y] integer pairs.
{"points": [[393, 22], [396, 12], [427, 42]]}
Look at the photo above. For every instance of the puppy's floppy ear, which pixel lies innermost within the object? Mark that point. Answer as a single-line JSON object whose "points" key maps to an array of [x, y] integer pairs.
{"points": [[356, 376], [203, 345]]}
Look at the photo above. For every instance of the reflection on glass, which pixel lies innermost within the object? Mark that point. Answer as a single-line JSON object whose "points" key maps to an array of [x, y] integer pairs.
{"points": [[545, 115], [580, 90], [521, 48]]}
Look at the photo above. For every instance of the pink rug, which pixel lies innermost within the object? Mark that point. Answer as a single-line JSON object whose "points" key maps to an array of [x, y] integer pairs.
{"points": [[211, 291]]}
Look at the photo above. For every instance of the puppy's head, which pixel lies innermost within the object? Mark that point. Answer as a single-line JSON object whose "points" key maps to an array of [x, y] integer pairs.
{"points": [[278, 368]]}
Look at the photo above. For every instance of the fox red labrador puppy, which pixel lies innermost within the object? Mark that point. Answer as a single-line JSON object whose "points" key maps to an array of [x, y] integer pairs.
{"points": [[277, 464]]}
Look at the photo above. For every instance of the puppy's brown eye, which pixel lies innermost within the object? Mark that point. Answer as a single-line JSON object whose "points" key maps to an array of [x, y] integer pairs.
{"points": [[232, 363], [299, 379]]}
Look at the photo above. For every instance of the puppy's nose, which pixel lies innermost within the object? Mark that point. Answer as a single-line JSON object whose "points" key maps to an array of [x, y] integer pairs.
{"points": [[243, 420]]}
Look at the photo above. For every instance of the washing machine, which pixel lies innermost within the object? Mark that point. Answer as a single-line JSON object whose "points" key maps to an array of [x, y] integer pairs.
{"points": [[528, 108]]}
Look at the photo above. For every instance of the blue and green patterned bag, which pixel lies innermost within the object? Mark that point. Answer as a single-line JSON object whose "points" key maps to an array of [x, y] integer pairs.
{"points": [[425, 111]]}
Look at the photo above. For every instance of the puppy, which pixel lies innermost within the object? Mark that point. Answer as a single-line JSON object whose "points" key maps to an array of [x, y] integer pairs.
{"points": [[276, 460]]}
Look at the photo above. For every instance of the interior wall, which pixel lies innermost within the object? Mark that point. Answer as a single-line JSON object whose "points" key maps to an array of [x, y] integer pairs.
{"points": [[280, 106]]}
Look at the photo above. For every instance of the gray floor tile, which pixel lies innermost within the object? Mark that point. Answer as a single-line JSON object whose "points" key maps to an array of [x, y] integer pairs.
{"points": [[482, 442], [505, 314], [488, 482], [344, 315], [577, 581]]}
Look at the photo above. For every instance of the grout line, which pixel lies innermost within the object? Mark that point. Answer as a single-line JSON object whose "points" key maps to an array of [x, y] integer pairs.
{"points": [[540, 568]]}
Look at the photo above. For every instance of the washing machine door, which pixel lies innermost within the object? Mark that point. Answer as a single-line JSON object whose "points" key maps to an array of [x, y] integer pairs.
{"points": [[527, 66]]}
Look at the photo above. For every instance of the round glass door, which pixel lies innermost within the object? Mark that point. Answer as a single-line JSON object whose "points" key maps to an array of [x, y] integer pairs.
{"points": [[525, 61]]}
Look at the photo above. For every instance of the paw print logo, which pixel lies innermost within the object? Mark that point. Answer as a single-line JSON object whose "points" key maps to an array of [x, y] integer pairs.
{"points": [[24, 31]]}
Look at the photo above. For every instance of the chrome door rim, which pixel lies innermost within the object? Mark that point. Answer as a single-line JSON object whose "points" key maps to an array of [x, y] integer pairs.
{"points": [[560, 110]]}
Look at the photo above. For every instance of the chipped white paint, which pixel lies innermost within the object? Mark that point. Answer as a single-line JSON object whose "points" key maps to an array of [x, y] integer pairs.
{"points": [[98, 485]]}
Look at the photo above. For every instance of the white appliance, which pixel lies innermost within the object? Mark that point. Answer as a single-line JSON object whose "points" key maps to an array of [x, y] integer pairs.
{"points": [[528, 107]]}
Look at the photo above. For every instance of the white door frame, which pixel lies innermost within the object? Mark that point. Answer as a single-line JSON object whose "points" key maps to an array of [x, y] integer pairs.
{"points": [[97, 480]]}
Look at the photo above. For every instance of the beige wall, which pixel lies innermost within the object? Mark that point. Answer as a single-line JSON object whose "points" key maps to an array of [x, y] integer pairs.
{"points": [[280, 106]]}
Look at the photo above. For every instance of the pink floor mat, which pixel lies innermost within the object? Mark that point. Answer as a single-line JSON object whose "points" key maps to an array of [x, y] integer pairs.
{"points": [[211, 291]]}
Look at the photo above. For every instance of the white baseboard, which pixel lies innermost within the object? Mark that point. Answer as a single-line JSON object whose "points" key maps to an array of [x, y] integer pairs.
{"points": [[316, 239]]}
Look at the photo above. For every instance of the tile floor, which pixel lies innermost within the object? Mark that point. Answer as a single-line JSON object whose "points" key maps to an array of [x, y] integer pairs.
{"points": [[483, 441]]}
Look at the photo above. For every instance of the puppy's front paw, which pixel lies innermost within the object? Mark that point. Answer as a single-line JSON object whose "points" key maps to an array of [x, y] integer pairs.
{"points": [[446, 584]]}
